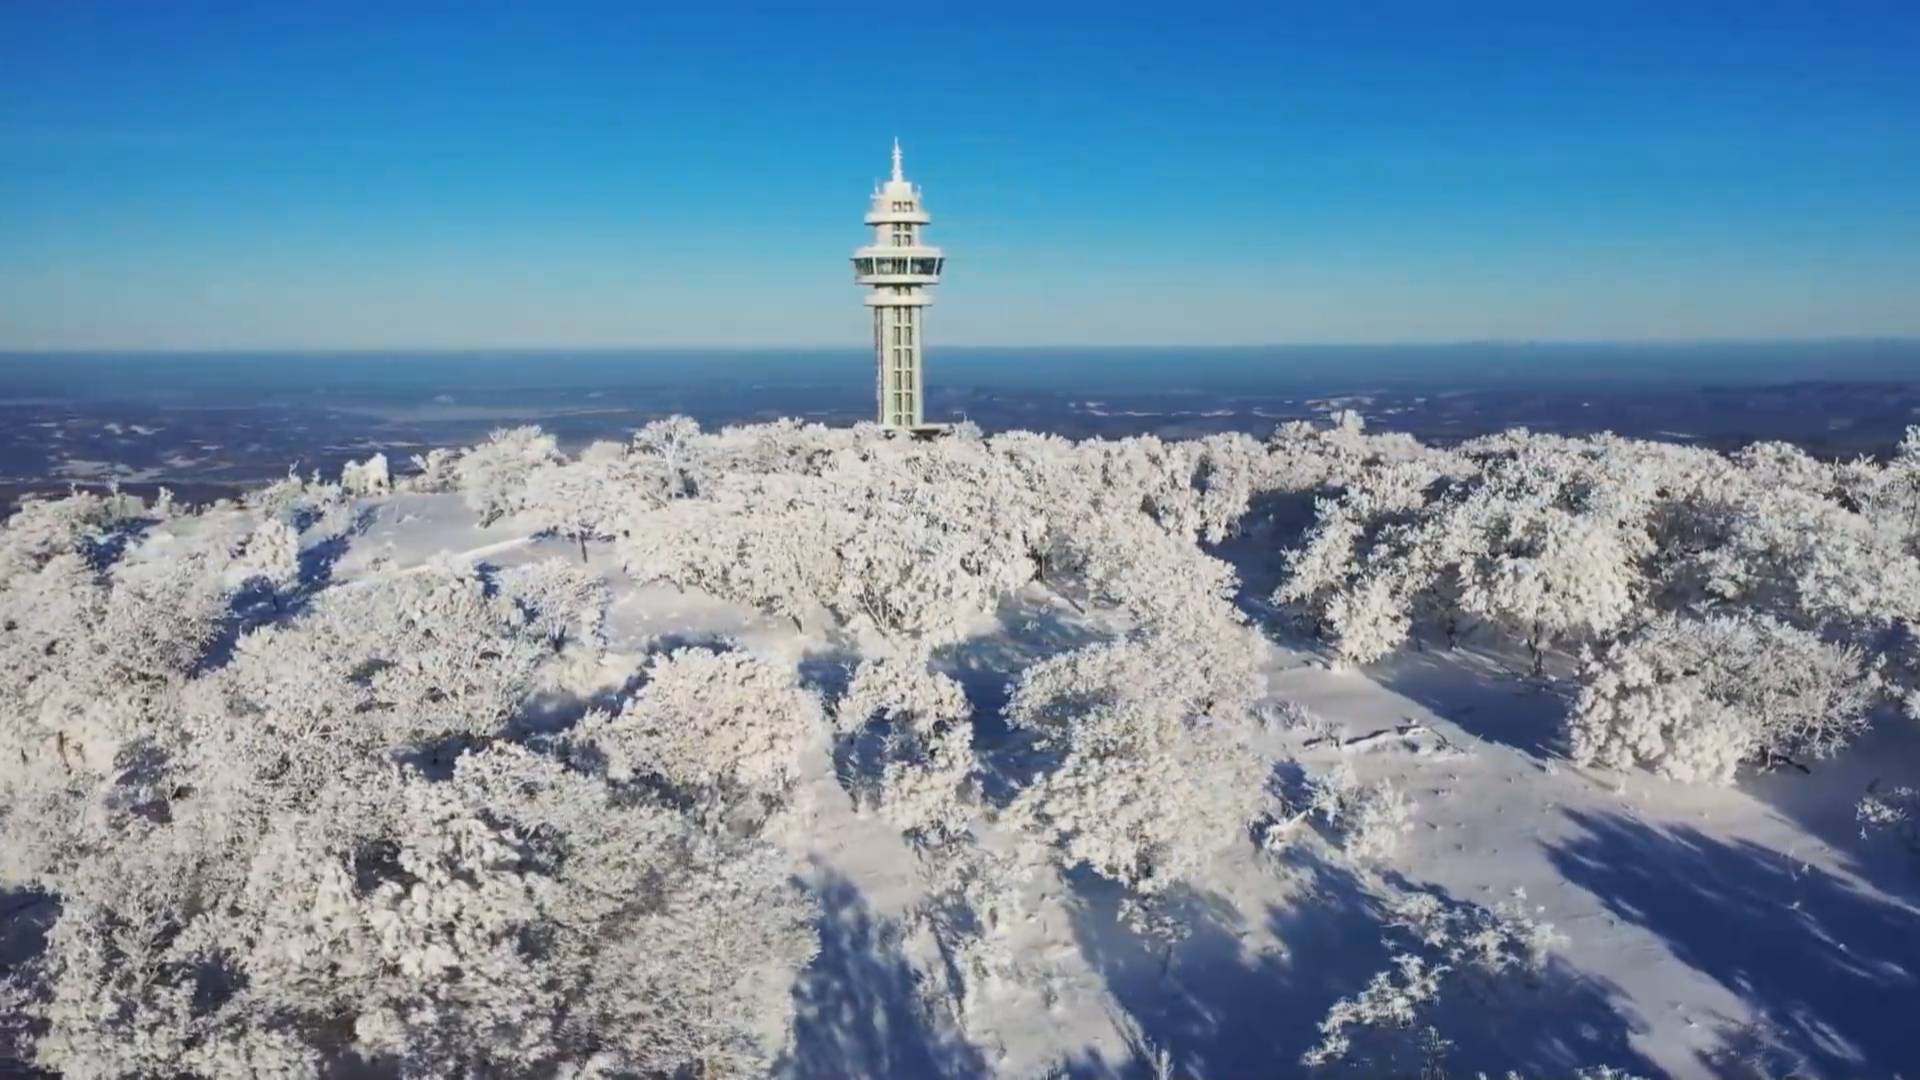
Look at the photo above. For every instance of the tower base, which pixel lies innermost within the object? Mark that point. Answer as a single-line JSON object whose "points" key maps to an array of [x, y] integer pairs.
{"points": [[921, 431]]}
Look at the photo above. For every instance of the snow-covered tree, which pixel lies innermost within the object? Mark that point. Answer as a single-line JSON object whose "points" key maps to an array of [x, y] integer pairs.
{"points": [[493, 476], [560, 604], [434, 471], [724, 728], [912, 747], [1156, 775], [675, 443], [912, 543], [757, 543], [1695, 699], [422, 664], [1541, 540], [271, 557], [44, 528]]}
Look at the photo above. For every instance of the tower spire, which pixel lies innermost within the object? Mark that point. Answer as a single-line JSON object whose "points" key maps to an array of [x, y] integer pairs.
{"points": [[897, 175]]}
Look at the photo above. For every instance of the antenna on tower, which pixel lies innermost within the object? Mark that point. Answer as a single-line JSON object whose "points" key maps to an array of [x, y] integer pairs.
{"points": [[896, 159]]}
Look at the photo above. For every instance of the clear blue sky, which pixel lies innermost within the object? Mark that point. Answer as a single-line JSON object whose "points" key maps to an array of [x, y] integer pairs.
{"points": [[200, 175]]}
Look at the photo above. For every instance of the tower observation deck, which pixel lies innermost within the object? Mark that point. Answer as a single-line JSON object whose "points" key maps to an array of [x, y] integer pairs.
{"points": [[898, 267]]}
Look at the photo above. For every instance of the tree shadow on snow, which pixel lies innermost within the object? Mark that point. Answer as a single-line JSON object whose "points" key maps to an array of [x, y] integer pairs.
{"points": [[858, 1010], [317, 560], [1822, 798], [986, 667], [26, 917], [1489, 696], [1833, 970], [255, 604], [829, 672], [106, 549], [1550, 1022], [1221, 1009], [1275, 522]]}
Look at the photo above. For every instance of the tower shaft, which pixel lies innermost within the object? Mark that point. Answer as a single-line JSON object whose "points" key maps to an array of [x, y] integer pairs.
{"points": [[896, 342]]}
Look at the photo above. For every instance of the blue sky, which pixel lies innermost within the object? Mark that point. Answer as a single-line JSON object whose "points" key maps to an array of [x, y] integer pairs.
{"points": [[202, 175]]}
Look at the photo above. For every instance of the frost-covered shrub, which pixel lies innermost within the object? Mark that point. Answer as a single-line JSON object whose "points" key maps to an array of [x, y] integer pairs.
{"points": [[517, 918], [1433, 942], [295, 501], [434, 948], [1539, 538], [1507, 936], [1812, 562], [434, 471], [1165, 584], [161, 613], [1552, 575], [921, 541], [1551, 542], [271, 557], [1894, 809], [1370, 819], [423, 670], [1369, 620], [1392, 999], [493, 476], [1156, 775], [1693, 699], [95, 664], [1886, 809], [914, 544], [369, 477], [418, 664], [1194, 489], [559, 604], [976, 898], [910, 725], [1377, 820], [755, 543], [579, 500], [42, 529], [727, 728]]}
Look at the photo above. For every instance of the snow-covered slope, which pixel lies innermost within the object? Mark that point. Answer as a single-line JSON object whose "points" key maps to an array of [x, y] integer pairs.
{"points": [[809, 752]]}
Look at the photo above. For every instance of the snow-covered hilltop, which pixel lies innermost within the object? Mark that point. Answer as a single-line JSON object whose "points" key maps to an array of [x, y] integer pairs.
{"points": [[814, 752]]}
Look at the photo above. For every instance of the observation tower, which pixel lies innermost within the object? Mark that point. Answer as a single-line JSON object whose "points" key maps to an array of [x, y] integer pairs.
{"points": [[897, 266]]}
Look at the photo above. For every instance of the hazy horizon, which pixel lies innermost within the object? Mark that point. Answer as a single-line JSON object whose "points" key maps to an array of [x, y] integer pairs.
{"points": [[215, 422], [1680, 342]]}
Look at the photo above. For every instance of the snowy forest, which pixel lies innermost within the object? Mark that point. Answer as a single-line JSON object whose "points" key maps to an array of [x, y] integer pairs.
{"points": [[805, 751]]}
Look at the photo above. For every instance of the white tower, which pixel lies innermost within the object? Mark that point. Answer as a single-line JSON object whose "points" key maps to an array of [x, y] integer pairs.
{"points": [[898, 267]]}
